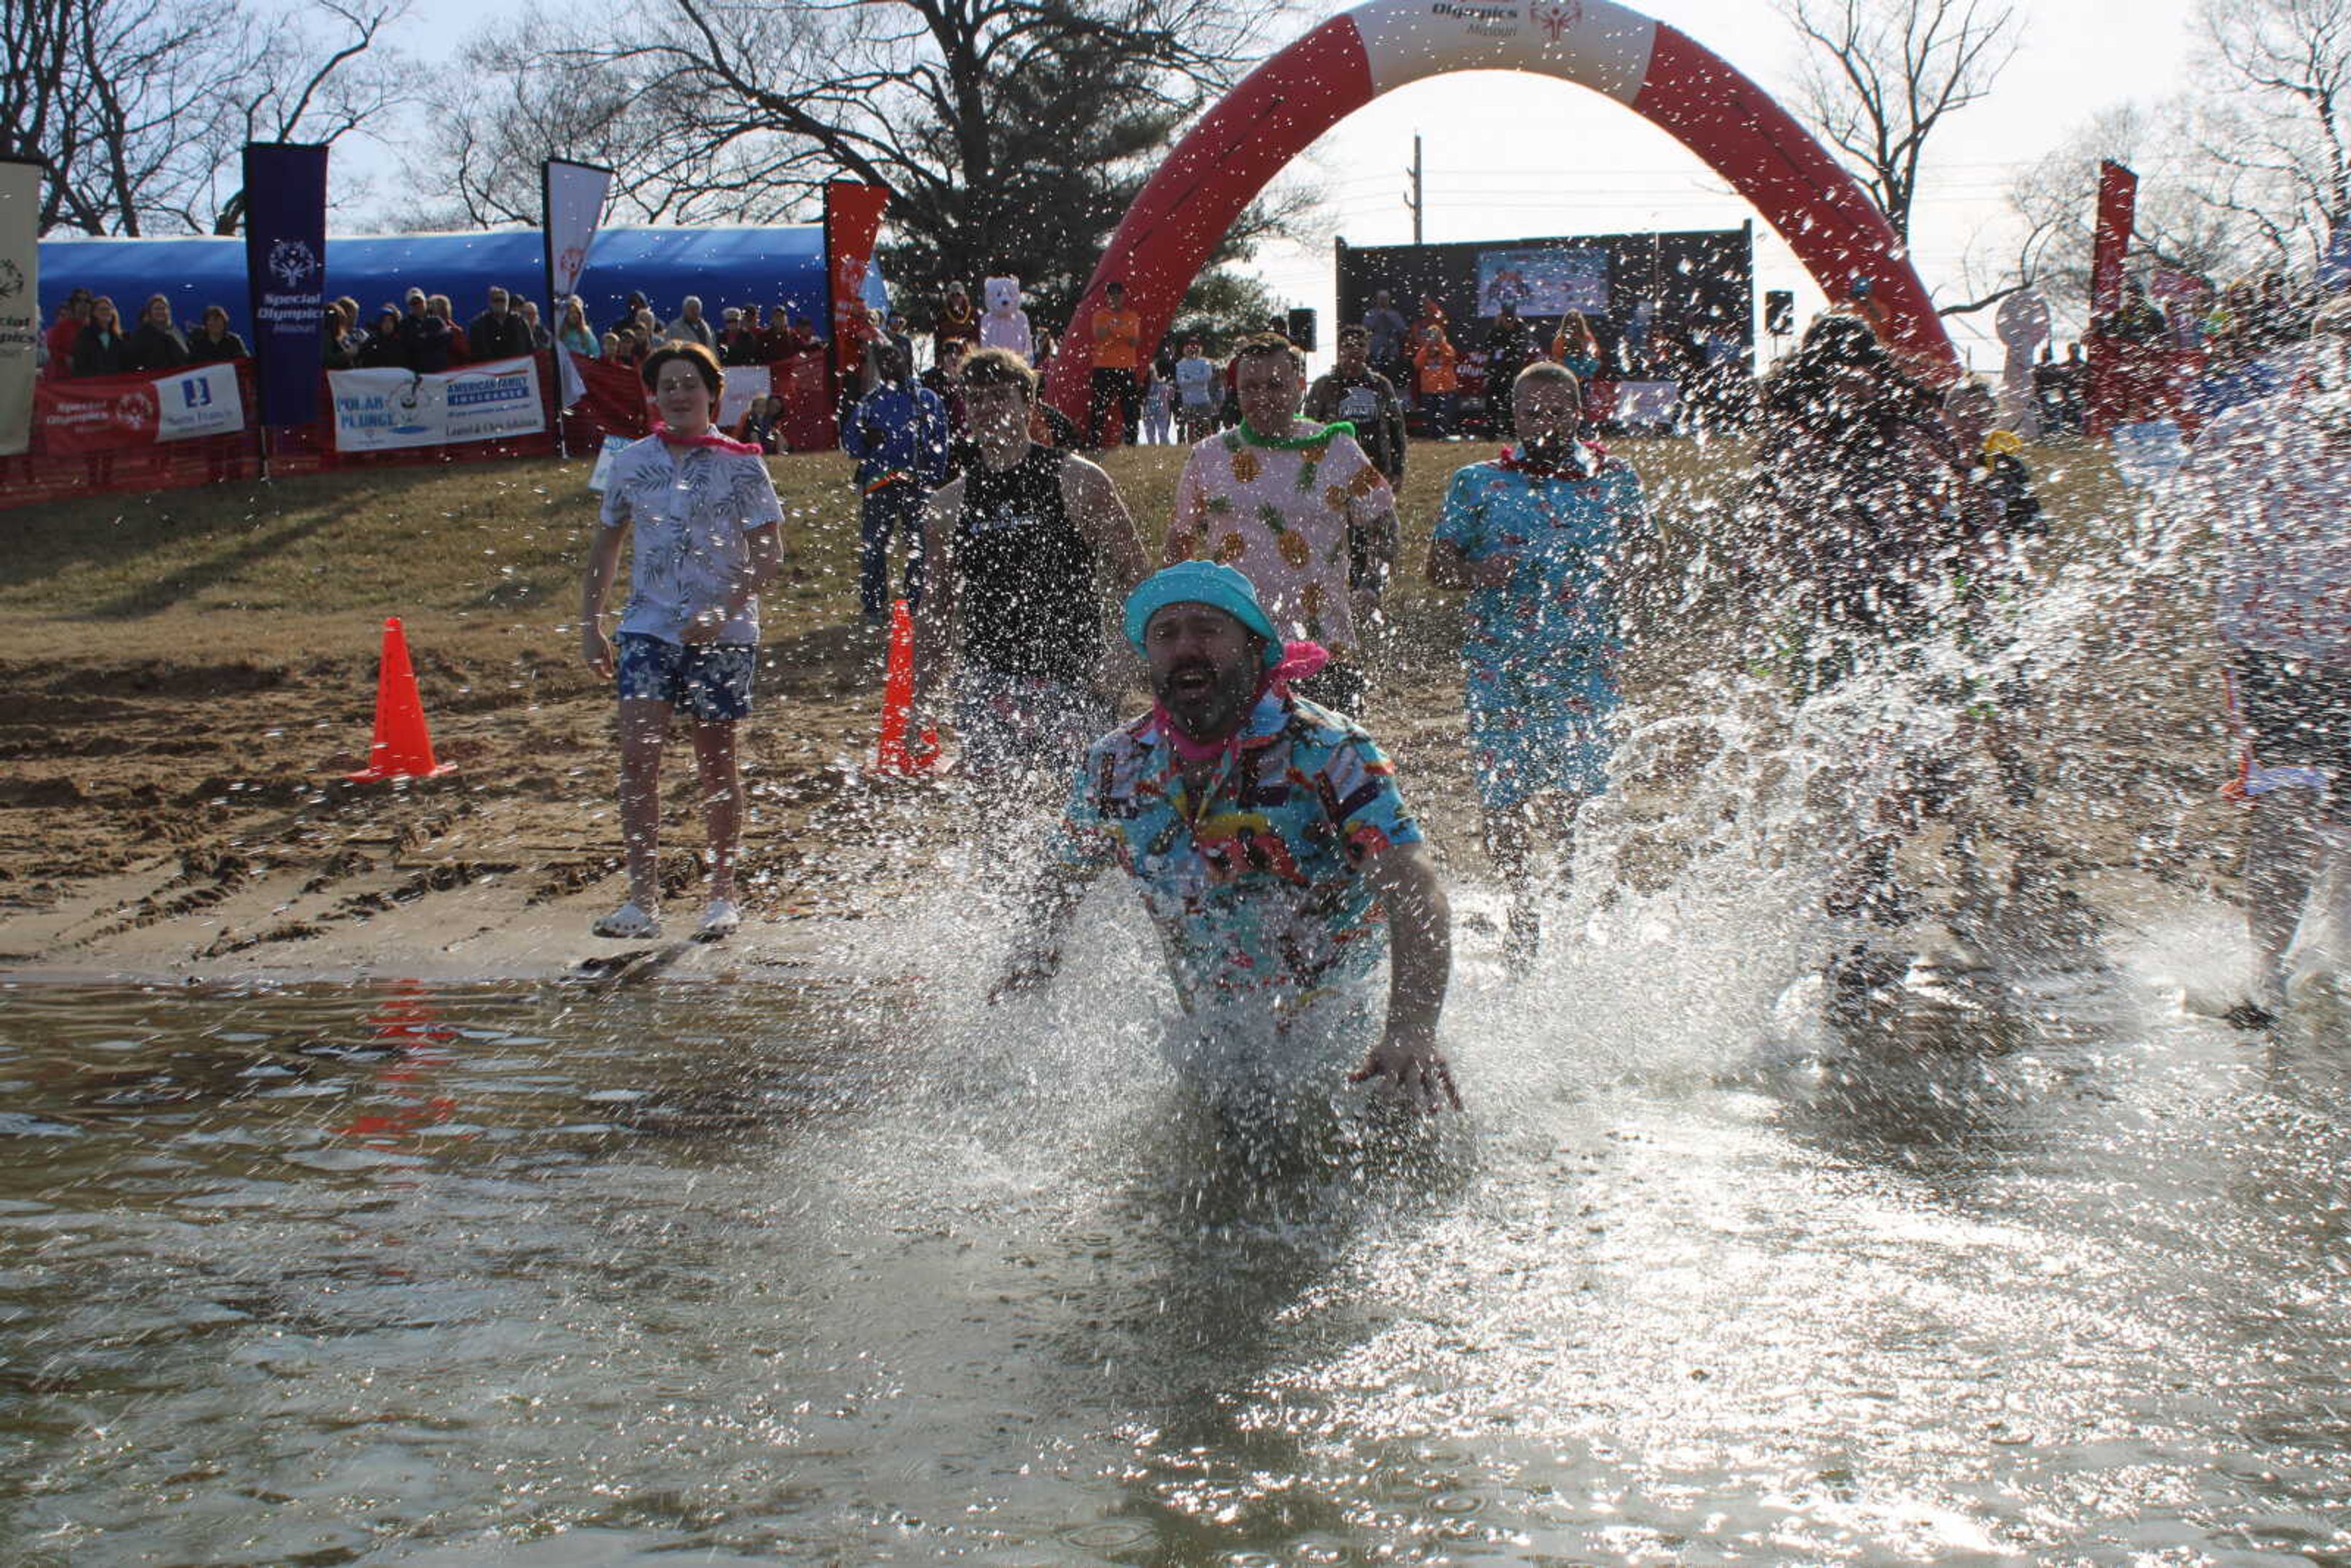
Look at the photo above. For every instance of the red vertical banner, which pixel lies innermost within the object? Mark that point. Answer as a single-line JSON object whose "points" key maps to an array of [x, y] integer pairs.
{"points": [[2118, 210], [853, 222]]}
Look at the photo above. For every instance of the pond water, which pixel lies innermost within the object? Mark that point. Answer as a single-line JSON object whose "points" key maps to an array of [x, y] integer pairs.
{"points": [[556, 1276]]}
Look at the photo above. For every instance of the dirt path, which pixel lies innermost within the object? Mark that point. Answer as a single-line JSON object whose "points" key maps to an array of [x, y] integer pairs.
{"points": [[177, 815]]}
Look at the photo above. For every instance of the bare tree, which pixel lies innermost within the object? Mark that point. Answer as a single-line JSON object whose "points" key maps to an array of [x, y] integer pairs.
{"points": [[140, 107], [2275, 125], [1011, 133], [2179, 222], [1879, 76], [534, 87]]}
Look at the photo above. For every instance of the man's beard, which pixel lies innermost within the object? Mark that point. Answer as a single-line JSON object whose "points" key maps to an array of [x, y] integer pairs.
{"points": [[1550, 447], [1203, 709]]}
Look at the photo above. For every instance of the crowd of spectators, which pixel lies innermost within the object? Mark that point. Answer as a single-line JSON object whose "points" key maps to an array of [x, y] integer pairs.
{"points": [[421, 334]]}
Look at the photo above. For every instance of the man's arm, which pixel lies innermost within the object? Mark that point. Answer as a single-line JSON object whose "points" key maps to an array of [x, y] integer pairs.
{"points": [[1099, 512], [1051, 902], [1420, 966], [934, 611], [856, 438]]}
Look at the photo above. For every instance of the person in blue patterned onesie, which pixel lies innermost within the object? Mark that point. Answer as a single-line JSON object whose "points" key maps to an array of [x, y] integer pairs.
{"points": [[1536, 535]]}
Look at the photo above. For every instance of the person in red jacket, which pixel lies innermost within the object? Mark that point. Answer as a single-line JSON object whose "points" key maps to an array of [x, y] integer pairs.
{"points": [[63, 332]]}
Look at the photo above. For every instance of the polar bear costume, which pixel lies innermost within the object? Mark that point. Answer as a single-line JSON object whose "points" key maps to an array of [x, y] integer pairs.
{"points": [[1005, 325]]}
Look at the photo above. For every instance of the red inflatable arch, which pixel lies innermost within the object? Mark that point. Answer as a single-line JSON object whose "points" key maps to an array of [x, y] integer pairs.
{"points": [[1678, 84]]}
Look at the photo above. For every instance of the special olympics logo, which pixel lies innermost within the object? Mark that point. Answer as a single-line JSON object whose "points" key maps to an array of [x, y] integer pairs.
{"points": [[291, 261], [568, 265], [1557, 17], [12, 280], [134, 411]]}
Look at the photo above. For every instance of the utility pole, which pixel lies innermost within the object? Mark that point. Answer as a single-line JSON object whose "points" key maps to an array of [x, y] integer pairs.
{"points": [[1413, 201]]}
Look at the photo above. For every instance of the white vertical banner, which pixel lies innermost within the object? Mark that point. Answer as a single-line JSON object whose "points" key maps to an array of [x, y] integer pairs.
{"points": [[20, 300], [572, 195]]}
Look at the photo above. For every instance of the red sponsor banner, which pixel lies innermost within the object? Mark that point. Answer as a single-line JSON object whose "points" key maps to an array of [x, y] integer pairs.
{"points": [[615, 404], [97, 413], [2118, 210], [853, 222], [613, 396], [2115, 389], [125, 414]]}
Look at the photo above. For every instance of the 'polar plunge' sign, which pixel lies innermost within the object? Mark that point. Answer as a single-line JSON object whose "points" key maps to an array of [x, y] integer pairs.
{"points": [[376, 411]]}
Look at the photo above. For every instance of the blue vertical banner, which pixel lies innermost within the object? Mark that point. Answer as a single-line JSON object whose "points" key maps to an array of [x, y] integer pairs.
{"points": [[285, 275]]}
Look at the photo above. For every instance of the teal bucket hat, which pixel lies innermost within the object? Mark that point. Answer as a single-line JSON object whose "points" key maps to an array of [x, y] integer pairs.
{"points": [[1201, 582]]}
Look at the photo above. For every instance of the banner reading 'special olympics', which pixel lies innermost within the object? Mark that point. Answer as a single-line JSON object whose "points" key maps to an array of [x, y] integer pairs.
{"points": [[376, 411], [122, 414]]}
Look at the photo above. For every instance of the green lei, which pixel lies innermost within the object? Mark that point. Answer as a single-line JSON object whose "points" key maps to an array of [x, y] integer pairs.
{"points": [[1295, 442]]}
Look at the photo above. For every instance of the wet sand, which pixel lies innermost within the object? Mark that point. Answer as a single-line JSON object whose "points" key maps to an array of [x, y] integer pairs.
{"points": [[179, 716]]}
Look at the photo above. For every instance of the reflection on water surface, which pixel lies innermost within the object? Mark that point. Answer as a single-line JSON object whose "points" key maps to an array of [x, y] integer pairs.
{"points": [[396, 1276]]}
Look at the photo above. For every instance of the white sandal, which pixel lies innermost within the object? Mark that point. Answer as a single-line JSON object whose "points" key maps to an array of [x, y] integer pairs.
{"points": [[720, 919], [628, 924]]}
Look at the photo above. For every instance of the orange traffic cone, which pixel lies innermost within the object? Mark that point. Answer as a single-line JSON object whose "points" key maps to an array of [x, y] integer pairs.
{"points": [[402, 749], [895, 755]]}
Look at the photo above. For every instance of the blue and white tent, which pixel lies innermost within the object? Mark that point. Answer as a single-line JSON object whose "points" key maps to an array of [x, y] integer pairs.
{"points": [[770, 265]]}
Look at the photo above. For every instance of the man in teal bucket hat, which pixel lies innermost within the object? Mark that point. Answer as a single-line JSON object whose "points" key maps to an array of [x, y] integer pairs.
{"points": [[1272, 851]]}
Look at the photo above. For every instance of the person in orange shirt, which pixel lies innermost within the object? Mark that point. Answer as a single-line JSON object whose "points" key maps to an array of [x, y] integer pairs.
{"points": [[1118, 355], [1433, 362]]}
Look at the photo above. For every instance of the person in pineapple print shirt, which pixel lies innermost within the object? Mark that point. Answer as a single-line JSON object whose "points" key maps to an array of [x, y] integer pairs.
{"points": [[1299, 510]]}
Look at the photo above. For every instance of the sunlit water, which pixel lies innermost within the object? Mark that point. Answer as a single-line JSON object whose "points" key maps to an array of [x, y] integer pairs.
{"points": [[880, 1275]]}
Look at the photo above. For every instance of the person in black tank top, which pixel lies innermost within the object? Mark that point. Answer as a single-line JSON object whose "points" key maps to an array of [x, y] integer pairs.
{"points": [[1030, 606], [1011, 616]]}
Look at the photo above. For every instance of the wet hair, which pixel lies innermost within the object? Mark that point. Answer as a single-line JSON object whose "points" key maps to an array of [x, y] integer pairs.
{"points": [[1264, 343], [1541, 372], [704, 363], [1848, 340], [1805, 387], [998, 368]]}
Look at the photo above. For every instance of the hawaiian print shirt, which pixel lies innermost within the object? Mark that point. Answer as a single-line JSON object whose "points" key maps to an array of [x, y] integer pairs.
{"points": [[1565, 529], [1282, 517], [1257, 885], [691, 508]]}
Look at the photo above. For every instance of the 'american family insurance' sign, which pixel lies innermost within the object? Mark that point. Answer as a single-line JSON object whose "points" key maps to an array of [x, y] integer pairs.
{"points": [[376, 411]]}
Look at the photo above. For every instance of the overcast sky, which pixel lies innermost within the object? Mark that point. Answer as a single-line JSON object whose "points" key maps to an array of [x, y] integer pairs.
{"points": [[1509, 155]]}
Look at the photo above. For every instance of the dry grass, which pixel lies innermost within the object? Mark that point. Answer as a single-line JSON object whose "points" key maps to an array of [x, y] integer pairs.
{"points": [[300, 568]]}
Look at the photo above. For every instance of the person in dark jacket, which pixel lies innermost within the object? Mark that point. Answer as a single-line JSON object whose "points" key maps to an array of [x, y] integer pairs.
{"points": [[100, 348], [498, 332], [214, 343], [628, 316], [157, 344], [1350, 389], [423, 337], [384, 351]]}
